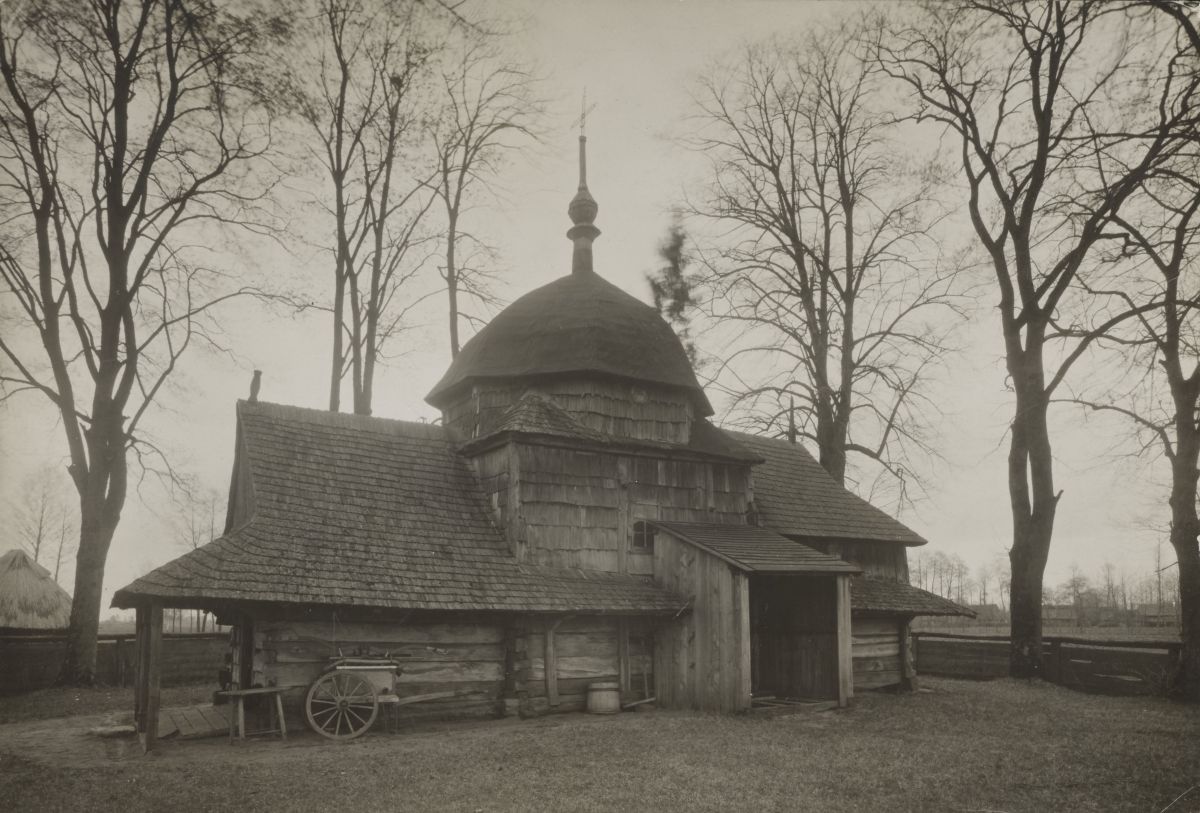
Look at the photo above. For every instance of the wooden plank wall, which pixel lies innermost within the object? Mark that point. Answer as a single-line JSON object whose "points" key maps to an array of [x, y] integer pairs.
{"points": [[876, 650], [702, 660], [887, 560], [436, 654], [793, 628], [577, 508]]}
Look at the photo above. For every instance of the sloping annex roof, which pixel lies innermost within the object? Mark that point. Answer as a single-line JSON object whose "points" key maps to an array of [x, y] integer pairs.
{"points": [[321, 532], [755, 550], [796, 497], [577, 323], [870, 594], [29, 596]]}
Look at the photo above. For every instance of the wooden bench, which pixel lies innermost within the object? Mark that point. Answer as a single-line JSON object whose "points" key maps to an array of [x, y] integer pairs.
{"points": [[237, 711]]}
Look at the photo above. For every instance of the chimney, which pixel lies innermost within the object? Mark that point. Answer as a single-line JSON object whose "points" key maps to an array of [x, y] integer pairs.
{"points": [[255, 383]]}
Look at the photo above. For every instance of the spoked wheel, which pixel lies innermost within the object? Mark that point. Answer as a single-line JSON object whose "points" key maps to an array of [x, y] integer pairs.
{"points": [[341, 705]]}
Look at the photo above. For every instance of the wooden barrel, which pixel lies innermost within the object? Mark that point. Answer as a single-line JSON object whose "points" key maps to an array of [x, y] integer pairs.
{"points": [[603, 698]]}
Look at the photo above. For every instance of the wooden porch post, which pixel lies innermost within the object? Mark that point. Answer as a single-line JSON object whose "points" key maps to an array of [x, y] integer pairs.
{"points": [[845, 656], [149, 673], [908, 668], [550, 663]]}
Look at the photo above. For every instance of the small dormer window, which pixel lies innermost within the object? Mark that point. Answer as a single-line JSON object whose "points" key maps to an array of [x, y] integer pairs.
{"points": [[643, 537]]}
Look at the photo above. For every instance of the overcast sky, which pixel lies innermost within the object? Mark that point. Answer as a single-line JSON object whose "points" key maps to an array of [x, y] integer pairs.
{"points": [[635, 59]]}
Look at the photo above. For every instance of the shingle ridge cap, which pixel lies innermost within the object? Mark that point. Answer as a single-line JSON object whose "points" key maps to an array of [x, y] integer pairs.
{"points": [[338, 420]]}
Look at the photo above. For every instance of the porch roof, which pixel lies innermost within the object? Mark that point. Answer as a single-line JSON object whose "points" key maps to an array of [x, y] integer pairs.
{"points": [[754, 550]]}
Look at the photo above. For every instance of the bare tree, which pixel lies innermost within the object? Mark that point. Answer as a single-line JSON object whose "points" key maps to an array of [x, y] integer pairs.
{"points": [[1031, 93], [370, 59], [491, 108], [1152, 274], [130, 132], [196, 526], [821, 254], [41, 518]]}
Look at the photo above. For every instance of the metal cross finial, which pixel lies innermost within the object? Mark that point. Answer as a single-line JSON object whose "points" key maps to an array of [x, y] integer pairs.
{"points": [[584, 109]]}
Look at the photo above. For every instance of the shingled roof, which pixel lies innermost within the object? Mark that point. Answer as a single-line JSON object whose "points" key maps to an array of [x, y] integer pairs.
{"points": [[357, 511], [869, 594], [577, 323], [796, 497], [536, 414], [755, 550]]}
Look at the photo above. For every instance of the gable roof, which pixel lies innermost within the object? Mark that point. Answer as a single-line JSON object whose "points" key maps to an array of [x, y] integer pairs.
{"points": [[358, 511], [29, 596], [870, 594], [755, 550], [796, 497], [577, 323]]}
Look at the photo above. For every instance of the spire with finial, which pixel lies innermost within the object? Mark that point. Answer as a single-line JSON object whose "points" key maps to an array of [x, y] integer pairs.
{"points": [[583, 207]]}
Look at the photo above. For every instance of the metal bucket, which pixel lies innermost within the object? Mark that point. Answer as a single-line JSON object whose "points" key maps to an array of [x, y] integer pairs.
{"points": [[603, 698]]}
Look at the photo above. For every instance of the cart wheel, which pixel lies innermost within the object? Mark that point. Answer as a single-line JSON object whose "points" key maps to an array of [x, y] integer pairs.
{"points": [[341, 705]]}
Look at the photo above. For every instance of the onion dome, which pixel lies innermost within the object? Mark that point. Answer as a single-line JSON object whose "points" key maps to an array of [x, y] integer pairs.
{"points": [[580, 323]]}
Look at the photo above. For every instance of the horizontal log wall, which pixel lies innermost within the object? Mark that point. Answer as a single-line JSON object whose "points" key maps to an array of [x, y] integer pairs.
{"points": [[464, 656], [702, 660], [587, 650], [876, 650]]}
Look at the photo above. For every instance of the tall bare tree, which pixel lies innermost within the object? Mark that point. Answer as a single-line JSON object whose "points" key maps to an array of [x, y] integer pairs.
{"points": [[1052, 134], [491, 107], [821, 247], [130, 132], [1154, 274], [365, 108]]}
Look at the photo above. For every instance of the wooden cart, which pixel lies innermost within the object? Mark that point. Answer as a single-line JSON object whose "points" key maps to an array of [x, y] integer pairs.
{"points": [[345, 700]]}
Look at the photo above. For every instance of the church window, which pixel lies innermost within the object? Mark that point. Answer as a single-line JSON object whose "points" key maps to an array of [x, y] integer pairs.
{"points": [[643, 537]]}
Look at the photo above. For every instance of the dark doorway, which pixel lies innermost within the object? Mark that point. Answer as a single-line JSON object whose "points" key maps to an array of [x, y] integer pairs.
{"points": [[793, 636]]}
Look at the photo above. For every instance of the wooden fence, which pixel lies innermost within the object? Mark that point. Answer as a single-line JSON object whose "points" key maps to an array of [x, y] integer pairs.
{"points": [[30, 662], [1110, 667]]}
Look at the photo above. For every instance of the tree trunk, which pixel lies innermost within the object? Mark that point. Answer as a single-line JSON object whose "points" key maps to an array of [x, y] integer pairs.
{"points": [[1033, 502], [97, 527], [1185, 529], [452, 285]]}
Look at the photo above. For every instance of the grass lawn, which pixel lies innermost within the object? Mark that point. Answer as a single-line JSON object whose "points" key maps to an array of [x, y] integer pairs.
{"points": [[997, 746]]}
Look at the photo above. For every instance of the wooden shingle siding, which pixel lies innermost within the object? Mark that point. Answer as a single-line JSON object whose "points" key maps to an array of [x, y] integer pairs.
{"points": [[577, 508], [876, 650], [701, 659]]}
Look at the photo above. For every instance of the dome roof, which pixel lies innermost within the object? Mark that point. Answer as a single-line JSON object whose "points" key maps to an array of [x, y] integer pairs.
{"points": [[578, 323]]}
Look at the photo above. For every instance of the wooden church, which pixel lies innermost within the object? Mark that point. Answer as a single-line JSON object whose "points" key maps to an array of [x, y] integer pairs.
{"points": [[574, 518]]}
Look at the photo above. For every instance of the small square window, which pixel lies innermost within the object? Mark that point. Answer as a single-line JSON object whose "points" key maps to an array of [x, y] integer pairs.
{"points": [[643, 537]]}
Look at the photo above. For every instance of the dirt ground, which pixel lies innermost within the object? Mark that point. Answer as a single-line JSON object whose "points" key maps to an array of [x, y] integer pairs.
{"points": [[1002, 746]]}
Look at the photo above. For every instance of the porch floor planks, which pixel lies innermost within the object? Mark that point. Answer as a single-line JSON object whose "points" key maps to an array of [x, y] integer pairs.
{"points": [[193, 722]]}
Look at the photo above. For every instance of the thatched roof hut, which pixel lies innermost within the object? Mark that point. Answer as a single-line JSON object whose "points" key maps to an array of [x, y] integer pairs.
{"points": [[29, 596]]}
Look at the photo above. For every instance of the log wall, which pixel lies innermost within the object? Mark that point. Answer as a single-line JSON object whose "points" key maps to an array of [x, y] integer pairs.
{"points": [[436, 653], [876, 651], [497, 664], [702, 660]]}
